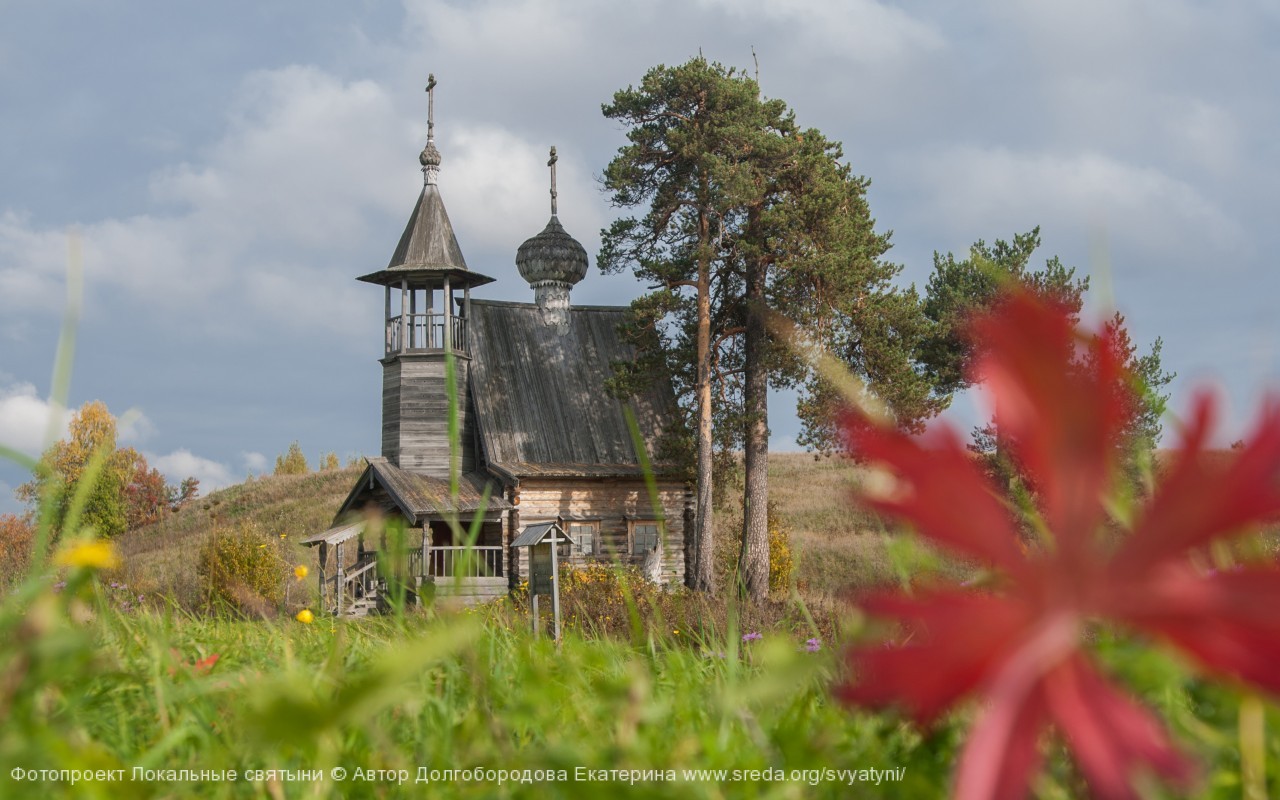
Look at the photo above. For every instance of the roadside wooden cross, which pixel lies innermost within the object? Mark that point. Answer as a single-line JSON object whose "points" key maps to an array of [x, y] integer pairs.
{"points": [[543, 541]]}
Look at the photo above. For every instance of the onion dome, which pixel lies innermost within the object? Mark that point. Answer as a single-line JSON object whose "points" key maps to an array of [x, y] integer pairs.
{"points": [[553, 257], [430, 156]]}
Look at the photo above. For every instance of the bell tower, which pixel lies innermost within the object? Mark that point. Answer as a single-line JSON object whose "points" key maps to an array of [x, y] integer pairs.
{"points": [[429, 275]]}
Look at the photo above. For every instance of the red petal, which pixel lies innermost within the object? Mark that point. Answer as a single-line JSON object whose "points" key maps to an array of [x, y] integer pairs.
{"points": [[1003, 748], [1197, 503], [1060, 416], [953, 638], [945, 495], [1111, 737], [1001, 754], [1227, 621]]}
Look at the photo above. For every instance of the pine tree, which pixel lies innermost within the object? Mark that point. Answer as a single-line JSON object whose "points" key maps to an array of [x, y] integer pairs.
{"points": [[747, 213]]}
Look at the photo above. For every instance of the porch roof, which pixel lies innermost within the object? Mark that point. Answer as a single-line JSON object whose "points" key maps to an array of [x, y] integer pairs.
{"points": [[420, 497], [335, 535]]}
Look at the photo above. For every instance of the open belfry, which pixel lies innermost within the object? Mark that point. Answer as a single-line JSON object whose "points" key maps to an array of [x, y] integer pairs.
{"points": [[496, 417]]}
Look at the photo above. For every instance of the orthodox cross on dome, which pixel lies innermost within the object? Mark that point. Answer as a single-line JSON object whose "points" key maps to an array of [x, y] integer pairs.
{"points": [[430, 157], [552, 164]]}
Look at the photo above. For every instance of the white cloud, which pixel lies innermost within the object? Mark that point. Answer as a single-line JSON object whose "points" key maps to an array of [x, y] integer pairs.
{"points": [[182, 463], [984, 189], [289, 188], [497, 186], [133, 427], [25, 419], [254, 462], [862, 31]]}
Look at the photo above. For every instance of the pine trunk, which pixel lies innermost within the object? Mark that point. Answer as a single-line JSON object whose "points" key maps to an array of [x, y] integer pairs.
{"points": [[704, 560], [753, 563]]}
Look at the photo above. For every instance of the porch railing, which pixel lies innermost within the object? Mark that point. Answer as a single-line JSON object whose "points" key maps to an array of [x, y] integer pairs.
{"points": [[462, 562], [425, 332], [349, 585]]}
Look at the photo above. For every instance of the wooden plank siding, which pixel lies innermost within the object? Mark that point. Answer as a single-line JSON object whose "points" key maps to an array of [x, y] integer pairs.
{"points": [[615, 504], [415, 414]]}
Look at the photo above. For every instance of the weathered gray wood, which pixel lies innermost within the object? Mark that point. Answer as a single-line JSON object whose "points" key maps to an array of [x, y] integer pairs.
{"points": [[415, 406], [448, 315], [540, 392], [340, 583], [418, 497], [615, 505], [404, 319]]}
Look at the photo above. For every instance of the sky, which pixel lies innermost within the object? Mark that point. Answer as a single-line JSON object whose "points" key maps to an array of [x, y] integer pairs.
{"points": [[230, 168]]}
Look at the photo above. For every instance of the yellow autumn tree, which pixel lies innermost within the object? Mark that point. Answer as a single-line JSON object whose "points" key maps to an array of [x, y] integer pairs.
{"points": [[63, 467], [293, 462]]}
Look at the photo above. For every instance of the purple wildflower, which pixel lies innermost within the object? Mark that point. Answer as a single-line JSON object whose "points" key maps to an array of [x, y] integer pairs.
{"points": [[813, 645], [751, 637]]}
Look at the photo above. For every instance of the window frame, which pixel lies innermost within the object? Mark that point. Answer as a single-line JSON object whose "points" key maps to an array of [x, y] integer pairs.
{"points": [[567, 523], [632, 525]]}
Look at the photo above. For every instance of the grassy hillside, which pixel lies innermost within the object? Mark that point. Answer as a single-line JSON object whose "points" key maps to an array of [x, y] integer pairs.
{"points": [[161, 558], [835, 544]]}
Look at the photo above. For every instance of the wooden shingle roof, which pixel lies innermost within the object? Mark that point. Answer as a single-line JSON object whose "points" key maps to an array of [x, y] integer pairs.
{"points": [[420, 497], [539, 393], [428, 248]]}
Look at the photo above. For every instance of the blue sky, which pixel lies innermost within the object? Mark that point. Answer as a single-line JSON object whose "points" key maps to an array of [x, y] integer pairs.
{"points": [[231, 168]]}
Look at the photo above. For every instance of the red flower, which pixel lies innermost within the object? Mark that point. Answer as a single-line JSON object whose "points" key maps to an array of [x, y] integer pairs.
{"points": [[1018, 647]]}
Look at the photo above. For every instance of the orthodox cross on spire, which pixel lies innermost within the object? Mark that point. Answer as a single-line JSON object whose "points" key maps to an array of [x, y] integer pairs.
{"points": [[552, 164], [431, 107], [430, 156]]}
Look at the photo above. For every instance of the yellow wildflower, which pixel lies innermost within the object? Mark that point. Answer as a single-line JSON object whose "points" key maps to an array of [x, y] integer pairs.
{"points": [[300, 571], [97, 554], [305, 616]]}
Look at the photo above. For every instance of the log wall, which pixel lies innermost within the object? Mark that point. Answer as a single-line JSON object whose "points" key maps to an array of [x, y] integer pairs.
{"points": [[615, 503], [415, 414]]}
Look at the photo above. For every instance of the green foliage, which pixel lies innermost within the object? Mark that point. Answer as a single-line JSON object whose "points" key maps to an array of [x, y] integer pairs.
{"points": [[730, 180], [122, 492], [242, 568], [88, 686], [85, 463], [1145, 403], [745, 213], [187, 491], [292, 462], [958, 289]]}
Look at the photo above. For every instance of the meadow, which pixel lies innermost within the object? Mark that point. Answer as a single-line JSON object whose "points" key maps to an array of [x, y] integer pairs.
{"points": [[117, 684]]}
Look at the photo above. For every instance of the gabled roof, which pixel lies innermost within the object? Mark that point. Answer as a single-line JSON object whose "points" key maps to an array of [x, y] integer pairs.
{"points": [[539, 393], [536, 534], [428, 246], [421, 497]]}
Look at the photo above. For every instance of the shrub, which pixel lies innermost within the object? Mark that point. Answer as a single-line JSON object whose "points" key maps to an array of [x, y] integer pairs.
{"points": [[16, 534], [598, 600], [781, 564], [243, 568], [728, 549]]}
